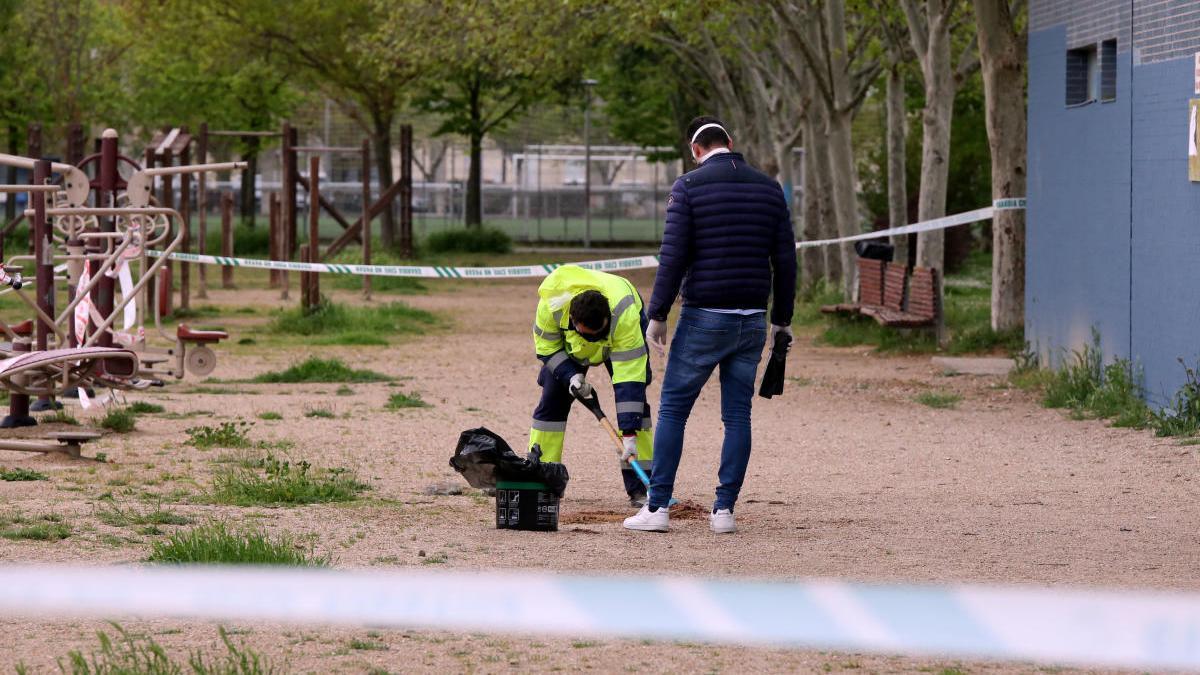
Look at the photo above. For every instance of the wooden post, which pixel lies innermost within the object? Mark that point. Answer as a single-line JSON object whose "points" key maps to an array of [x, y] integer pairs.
{"points": [[185, 215], [288, 179], [314, 234], [274, 247], [406, 191], [33, 147], [227, 237], [366, 214], [304, 279], [76, 143], [202, 206]]}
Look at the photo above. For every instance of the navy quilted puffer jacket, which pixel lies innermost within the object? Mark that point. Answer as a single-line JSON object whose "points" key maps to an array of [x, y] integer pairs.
{"points": [[728, 241]]}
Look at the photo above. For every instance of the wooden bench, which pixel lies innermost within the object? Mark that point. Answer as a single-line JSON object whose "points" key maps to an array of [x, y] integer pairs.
{"points": [[893, 297], [870, 288]]}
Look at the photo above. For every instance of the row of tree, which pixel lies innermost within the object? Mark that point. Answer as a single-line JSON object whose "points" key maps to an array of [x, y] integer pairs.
{"points": [[782, 74]]}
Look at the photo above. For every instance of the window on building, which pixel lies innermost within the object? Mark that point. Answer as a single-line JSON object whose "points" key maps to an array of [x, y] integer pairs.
{"points": [[1082, 75], [1108, 70]]}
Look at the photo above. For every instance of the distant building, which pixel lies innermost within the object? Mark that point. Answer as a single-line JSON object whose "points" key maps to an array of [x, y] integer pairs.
{"points": [[1114, 202]]}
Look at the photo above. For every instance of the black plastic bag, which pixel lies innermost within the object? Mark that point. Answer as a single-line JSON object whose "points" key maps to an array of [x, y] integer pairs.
{"points": [[482, 457], [874, 249], [772, 382]]}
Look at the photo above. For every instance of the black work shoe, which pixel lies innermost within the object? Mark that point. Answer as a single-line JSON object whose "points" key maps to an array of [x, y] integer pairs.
{"points": [[637, 500]]}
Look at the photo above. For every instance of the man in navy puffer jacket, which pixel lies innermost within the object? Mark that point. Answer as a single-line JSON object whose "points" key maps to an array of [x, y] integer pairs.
{"points": [[729, 243]]}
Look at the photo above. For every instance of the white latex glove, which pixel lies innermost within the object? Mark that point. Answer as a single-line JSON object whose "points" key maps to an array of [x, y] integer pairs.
{"points": [[656, 336], [579, 386], [630, 453], [776, 330]]}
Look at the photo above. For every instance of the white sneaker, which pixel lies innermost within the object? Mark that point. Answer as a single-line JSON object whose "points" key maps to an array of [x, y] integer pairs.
{"points": [[649, 521], [721, 521]]}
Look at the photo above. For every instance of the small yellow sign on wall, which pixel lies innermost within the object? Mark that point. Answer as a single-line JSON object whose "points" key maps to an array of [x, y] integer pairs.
{"points": [[1194, 140]]}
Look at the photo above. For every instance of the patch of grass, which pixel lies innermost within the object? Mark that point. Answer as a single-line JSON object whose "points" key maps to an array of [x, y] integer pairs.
{"points": [[367, 645], [320, 413], [197, 312], [435, 559], [284, 482], [19, 474], [49, 527], [269, 416], [113, 514], [144, 408], [469, 240], [316, 369], [1181, 416], [225, 435], [119, 420], [400, 400], [334, 324], [129, 654], [344, 391], [1091, 389], [218, 391], [938, 399], [218, 543], [60, 417]]}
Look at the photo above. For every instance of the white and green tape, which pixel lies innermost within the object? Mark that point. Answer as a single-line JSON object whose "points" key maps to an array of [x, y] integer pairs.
{"points": [[542, 270]]}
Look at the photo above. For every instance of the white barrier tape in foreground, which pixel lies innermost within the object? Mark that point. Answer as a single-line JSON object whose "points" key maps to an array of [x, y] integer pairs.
{"points": [[541, 270], [1128, 629]]}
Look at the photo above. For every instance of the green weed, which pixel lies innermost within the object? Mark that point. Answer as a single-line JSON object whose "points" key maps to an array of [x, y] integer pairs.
{"points": [[321, 370], [401, 400], [217, 543], [1089, 388], [334, 324], [938, 399], [344, 391], [113, 514], [144, 408], [19, 474], [269, 416], [49, 527], [120, 420], [282, 482], [1181, 416], [60, 417], [130, 654], [319, 413], [367, 645], [226, 435]]}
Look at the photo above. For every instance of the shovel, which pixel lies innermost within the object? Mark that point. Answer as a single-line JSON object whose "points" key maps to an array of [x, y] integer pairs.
{"points": [[592, 403]]}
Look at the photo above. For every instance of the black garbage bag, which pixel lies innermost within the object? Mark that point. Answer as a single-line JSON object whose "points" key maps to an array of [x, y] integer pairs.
{"points": [[874, 249], [772, 382], [482, 457]]}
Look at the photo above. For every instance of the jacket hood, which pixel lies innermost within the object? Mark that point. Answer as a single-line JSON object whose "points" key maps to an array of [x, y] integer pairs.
{"points": [[565, 283]]}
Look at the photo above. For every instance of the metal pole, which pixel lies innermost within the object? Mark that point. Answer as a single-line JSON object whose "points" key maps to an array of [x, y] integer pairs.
{"points": [[185, 217], [227, 237], [103, 293], [406, 191], [314, 235], [43, 253], [366, 214]]}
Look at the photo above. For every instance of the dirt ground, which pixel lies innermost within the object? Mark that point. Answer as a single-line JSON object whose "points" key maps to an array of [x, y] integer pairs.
{"points": [[850, 478]]}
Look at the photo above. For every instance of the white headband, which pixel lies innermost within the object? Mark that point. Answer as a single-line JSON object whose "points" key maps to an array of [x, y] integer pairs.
{"points": [[710, 125]]}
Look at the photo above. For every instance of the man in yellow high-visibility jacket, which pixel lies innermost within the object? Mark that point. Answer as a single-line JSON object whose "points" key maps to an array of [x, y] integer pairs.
{"points": [[587, 318]]}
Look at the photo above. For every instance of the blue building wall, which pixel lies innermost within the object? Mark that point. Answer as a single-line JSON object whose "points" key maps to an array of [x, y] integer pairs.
{"points": [[1113, 220], [1077, 236]]}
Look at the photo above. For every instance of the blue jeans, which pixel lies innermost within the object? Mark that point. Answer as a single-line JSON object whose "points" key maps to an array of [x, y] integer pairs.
{"points": [[704, 340]]}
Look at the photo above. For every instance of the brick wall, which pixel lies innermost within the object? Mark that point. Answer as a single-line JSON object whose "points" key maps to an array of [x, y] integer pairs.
{"points": [[1161, 29]]}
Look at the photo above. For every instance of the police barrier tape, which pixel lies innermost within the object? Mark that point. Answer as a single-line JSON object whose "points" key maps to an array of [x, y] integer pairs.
{"points": [[541, 270], [1067, 626]]}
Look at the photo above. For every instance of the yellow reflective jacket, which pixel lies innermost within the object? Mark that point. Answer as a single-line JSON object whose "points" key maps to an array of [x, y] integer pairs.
{"points": [[564, 351]]}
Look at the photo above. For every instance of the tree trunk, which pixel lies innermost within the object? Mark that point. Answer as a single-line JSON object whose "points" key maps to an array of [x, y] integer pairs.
{"points": [[474, 215], [897, 188], [845, 194], [1003, 63], [381, 143], [249, 183], [812, 259], [827, 221], [935, 144]]}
